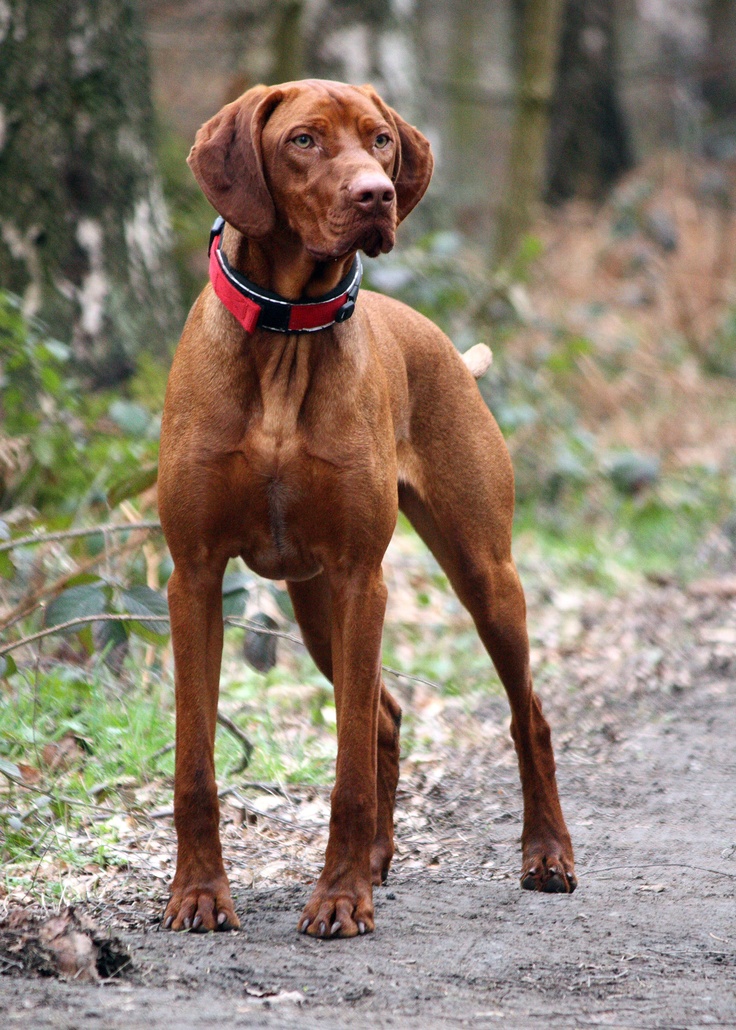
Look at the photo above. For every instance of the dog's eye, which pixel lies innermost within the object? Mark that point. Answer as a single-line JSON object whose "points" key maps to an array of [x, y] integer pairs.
{"points": [[304, 141], [382, 140]]}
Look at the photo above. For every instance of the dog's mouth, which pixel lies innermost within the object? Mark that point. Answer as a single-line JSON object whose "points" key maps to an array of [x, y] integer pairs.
{"points": [[377, 241], [374, 238]]}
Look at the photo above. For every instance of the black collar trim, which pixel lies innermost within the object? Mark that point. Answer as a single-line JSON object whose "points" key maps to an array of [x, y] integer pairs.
{"points": [[274, 313]]}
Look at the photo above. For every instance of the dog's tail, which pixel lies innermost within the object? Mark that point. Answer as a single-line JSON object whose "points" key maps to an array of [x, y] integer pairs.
{"points": [[478, 359]]}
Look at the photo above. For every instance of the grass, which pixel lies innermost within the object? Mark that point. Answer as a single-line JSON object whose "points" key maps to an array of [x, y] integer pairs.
{"points": [[602, 539], [116, 730]]}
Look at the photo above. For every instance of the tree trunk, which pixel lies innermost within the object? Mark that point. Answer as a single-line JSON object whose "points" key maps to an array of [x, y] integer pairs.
{"points": [[589, 141], [540, 31], [288, 42], [719, 77], [84, 237]]}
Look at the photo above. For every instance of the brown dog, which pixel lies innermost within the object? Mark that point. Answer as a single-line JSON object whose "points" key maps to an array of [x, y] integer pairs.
{"points": [[295, 449]]}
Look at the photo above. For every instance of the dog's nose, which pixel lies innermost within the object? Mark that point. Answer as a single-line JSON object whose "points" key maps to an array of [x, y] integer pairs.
{"points": [[373, 194]]}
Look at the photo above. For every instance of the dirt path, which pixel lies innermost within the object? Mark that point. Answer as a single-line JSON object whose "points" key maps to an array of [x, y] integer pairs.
{"points": [[648, 780]]}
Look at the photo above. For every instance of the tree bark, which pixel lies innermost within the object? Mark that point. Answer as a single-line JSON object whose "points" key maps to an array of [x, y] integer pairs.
{"points": [[540, 32], [84, 236], [589, 140], [719, 73], [288, 42]]}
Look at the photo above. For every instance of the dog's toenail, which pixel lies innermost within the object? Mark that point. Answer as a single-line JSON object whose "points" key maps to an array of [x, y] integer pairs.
{"points": [[197, 922], [322, 928], [221, 918], [335, 926], [187, 923], [167, 924], [361, 928]]}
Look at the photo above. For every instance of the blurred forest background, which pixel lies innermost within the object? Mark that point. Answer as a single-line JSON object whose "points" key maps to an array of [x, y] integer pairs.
{"points": [[582, 221]]}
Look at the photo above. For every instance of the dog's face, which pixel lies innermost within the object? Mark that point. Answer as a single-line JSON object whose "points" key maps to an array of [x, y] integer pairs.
{"points": [[328, 162]]}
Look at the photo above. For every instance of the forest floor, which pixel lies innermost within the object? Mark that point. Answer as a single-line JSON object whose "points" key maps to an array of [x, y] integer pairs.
{"points": [[640, 689]]}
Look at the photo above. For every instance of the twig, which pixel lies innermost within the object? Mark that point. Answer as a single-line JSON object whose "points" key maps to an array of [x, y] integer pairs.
{"points": [[60, 797], [241, 623], [232, 620], [269, 788], [414, 679], [233, 792], [118, 971], [229, 620], [68, 534], [82, 620], [162, 751], [685, 867], [236, 731], [30, 602], [166, 813]]}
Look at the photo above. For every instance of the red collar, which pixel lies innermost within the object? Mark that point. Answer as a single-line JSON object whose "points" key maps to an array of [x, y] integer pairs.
{"points": [[256, 308]]}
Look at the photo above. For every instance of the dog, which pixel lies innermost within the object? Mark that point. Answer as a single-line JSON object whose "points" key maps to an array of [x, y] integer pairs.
{"points": [[301, 414]]}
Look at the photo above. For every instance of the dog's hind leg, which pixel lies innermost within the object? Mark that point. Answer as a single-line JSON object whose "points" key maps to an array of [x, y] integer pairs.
{"points": [[462, 506]]}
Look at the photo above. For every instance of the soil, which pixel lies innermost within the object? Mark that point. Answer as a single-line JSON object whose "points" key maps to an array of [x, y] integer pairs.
{"points": [[643, 709]]}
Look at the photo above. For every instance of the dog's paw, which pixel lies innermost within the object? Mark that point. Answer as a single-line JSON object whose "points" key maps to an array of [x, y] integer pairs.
{"points": [[341, 910], [550, 870], [200, 908]]}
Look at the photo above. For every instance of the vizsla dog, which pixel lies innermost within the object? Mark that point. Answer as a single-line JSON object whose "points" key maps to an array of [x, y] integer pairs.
{"points": [[300, 416]]}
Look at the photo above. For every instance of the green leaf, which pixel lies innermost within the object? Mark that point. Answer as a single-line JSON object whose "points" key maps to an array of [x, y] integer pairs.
{"points": [[235, 588], [7, 666], [141, 600], [109, 640], [631, 472], [259, 649], [234, 603], [10, 769], [7, 569], [283, 600], [76, 603], [131, 418], [112, 633], [84, 579], [58, 350], [132, 484], [235, 581], [43, 451]]}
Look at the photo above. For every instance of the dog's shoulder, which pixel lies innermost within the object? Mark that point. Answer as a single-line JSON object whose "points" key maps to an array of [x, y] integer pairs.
{"points": [[395, 318]]}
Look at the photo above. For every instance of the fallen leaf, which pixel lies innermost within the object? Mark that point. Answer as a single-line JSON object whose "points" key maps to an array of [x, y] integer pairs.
{"points": [[61, 754], [29, 773]]}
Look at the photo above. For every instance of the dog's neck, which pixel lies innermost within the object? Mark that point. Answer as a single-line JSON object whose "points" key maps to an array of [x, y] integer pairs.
{"points": [[283, 265]]}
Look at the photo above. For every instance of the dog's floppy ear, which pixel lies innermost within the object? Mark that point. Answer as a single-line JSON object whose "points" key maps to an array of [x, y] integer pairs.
{"points": [[414, 162], [227, 162]]}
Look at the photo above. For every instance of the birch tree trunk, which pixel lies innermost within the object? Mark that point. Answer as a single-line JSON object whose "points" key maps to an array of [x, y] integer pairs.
{"points": [[84, 238], [540, 34]]}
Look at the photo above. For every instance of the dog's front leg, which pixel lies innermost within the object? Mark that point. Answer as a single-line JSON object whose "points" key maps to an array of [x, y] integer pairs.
{"points": [[200, 894], [341, 904]]}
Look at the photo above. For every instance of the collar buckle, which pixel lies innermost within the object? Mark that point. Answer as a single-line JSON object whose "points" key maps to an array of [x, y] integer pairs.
{"points": [[217, 226]]}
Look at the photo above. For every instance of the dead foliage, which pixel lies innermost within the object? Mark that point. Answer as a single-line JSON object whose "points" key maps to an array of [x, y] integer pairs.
{"points": [[69, 945], [650, 279]]}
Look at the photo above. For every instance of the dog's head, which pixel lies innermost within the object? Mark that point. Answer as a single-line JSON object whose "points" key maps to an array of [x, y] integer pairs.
{"points": [[329, 162]]}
